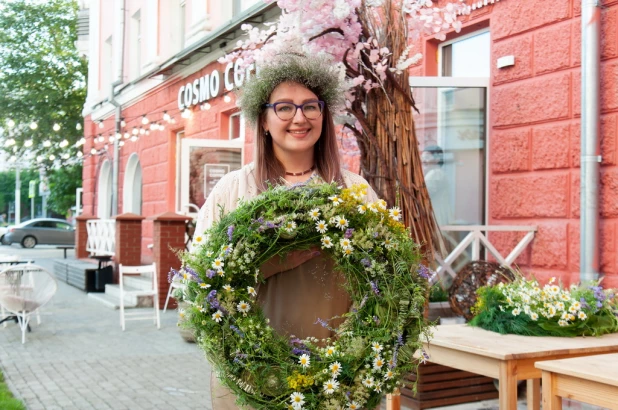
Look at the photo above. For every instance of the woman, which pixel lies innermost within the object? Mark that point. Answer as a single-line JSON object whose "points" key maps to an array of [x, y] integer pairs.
{"points": [[290, 103]]}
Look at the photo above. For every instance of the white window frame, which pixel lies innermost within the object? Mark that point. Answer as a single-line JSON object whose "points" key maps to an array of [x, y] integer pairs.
{"points": [[136, 35], [132, 199], [457, 40], [182, 23], [241, 129], [463, 82], [183, 206]]}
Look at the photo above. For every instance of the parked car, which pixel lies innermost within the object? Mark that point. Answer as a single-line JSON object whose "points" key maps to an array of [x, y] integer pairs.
{"points": [[3, 230], [41, 231]]}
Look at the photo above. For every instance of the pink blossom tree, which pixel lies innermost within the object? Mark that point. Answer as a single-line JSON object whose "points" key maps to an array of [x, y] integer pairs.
{"points": [[370, 41]]}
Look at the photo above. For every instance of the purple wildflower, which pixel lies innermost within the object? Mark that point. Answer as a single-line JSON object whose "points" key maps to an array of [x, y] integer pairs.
{"points": [[210, 273], [400, 339], [424, 272], [173, 274], [324, 324], [270, 225], [374, 287], [348, 233], [260, 219], [584, 304], [192, 273], [230, 231], [366, 262], [425, 357], [363, 302], [375, 234], [376, 320], [214, 302], [237, 330]]}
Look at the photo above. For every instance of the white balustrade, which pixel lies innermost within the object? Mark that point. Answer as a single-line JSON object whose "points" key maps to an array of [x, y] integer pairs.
{"points": [[477, 237], [101, 237]]}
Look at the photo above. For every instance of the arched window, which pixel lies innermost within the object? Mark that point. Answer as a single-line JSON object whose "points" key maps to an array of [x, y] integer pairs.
{"points": [[132, 187], [104, 194]]}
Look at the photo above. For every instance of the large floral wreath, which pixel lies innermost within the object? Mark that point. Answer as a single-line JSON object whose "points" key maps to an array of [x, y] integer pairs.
{"points": [[374, 346]]}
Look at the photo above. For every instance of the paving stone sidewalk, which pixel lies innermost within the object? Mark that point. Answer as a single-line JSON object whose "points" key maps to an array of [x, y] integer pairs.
{"points": [[79, 358]]}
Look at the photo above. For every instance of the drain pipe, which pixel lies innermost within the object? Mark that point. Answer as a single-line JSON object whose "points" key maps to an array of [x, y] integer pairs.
{"points": [[590, 151], [119, 70]]}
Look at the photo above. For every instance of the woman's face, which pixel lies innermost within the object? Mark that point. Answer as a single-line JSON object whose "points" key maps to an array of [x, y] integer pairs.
{"points": [[299, 134]]}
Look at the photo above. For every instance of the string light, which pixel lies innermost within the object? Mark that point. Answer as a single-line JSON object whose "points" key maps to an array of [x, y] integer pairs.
{"points": [[56, 127], [227, 98], [10, 123], [33, 125], [166, 116], [64, 143], [123, 123], [47, 143], [186, 113], [94, 151], [101, 125], [78, 127], [52, 157], [145, 120], [28, 143]]}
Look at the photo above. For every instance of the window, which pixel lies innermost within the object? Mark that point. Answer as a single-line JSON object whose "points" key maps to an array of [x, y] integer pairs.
{"points": [[136, 46], [63, 226], [107, 66], [242, 5], [236, 126]]}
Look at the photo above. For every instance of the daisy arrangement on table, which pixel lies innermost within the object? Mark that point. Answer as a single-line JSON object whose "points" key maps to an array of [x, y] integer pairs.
{"points": [[524, 307], [369, 352]]}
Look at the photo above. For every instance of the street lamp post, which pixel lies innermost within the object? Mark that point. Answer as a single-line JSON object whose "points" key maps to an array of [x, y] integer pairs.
{"points": [[17, 195]]}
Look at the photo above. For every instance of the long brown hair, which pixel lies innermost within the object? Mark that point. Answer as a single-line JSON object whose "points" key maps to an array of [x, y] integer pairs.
{"points": [[268, 168]]}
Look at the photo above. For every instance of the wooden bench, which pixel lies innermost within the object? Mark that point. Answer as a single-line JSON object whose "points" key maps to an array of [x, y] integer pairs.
{"points": [[64, 248], [76, 273], [589, 379]]}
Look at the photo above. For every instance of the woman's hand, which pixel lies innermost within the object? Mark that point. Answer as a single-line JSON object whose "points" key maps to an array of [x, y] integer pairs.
{"points": [[293, 259]]}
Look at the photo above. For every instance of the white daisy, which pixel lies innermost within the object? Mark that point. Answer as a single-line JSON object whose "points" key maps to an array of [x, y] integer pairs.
{"points": [[382, 204], [198, 239], [395, 213], [228, 288], [362, 209], [221, 273], [321, 226], [218, 264], [330, 351], [389, 375], [243, 307], [209, 254], [326, 242], [297, 399], [251, 291], [348, 251], [516, 312], [378, 387], [378, 362], [335, 369], [368, 381], [336, 200], [204, 285], [534, 316], [377, 347], [304, 360], [582, 315], [341, 222], [314, 214], [373, 207], [217, 316], [330, 386], [290, 226], [353, 406], [563, 322], [345, 243]]}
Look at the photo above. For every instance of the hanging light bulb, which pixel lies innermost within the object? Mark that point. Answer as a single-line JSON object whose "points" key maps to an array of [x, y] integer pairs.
{"points": [[123, 123], [10, 123], [101, 125], [78, 127], [135, 131], [161, 127], [126, 135], [121, 143], [206, 106], [79, 154], [133, 138], [47, 143], [145, 120], [33, 125], [64, 143], [28, 143], [166, 116], [147, 132], [118, 135], [227, 98], [173, 120], [153, 126], [52, 157], [186, 113], [65, 156], [56, 127], [93, 151], [39, 158], [111, 139], [141, 131]]}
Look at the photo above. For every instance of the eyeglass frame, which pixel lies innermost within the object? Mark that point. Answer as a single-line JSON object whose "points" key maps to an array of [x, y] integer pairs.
{"points": [[296, 107]]}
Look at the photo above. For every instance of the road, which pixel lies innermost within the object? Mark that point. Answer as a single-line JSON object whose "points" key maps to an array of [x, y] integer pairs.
{"points": [[42, 255]]}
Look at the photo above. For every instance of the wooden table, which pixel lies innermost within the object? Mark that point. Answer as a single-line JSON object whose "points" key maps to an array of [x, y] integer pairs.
{"points": [[509, 358], [591, 379]]}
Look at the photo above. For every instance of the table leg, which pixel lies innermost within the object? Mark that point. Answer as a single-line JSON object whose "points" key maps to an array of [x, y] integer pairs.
{"points": [[508, 386], [533, 394], [393, 401], [550, 400]]}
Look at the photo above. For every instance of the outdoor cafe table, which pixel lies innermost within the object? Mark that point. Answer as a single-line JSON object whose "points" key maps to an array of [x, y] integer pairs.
{"points": [[590, 379], [509, 358]]}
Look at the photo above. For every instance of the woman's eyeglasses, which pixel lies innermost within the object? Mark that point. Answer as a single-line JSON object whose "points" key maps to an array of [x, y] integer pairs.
{"points": [[286, 110]]}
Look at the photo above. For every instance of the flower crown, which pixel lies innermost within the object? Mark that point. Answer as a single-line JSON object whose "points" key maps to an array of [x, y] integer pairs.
{"points": [[316, 73]]}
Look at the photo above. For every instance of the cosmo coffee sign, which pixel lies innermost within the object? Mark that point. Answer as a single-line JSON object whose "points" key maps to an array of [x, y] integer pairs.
{"points": [[209, 86]]}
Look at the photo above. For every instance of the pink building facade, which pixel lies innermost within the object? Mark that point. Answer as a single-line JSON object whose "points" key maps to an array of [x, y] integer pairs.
{"points": [[509, 136]]}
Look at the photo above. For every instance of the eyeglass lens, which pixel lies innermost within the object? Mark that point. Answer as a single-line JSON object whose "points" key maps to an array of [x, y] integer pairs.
{"points": [[287, 111]]}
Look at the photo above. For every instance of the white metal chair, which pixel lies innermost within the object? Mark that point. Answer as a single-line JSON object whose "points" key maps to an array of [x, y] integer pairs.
{"points": [[24, 289], [145, 270], [173, 285]]}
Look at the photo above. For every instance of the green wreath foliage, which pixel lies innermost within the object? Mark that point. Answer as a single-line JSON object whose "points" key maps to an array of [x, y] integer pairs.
{"points": [[374, 346]]}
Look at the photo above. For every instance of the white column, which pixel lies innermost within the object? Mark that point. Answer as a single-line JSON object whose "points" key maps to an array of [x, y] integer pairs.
{"points": [[199, 25], [150, 36], [94, 67]]}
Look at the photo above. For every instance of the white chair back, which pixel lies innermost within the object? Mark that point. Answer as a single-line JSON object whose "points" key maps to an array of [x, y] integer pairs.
{"points": [[147, 271]]}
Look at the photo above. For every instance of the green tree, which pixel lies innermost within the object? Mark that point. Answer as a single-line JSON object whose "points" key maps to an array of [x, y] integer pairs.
{"points": [[42, 80], [62, 185], [7, 191]]}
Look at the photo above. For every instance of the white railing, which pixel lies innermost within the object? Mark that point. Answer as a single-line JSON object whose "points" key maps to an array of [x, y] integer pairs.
{"points": [[101, 237], [476, 238]]}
